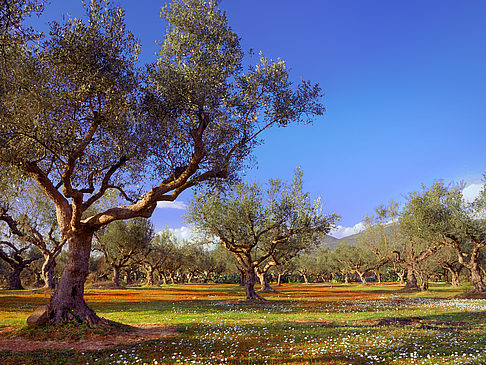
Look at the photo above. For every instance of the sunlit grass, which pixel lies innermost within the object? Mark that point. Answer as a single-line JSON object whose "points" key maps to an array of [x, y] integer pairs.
{"points": [[314, 323]]}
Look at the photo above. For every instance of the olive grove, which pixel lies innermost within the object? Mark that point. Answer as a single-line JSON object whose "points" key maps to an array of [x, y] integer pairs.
{"points": [[81, 117]]}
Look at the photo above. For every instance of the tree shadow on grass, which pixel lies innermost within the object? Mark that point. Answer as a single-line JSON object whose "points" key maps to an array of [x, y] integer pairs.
{"points": [[285, 342]]}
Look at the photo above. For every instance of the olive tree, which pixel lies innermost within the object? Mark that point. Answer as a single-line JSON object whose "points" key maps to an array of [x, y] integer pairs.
{"points": [[153, 256], [442, 217], [122, 241], [27, 221], [254, 223], [81, 117]]}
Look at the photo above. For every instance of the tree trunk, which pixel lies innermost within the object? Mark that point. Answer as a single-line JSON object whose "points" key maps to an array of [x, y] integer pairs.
{"points": [[67, 303], [242, 277], [14, 282], [116, 275], [411, 280], [279, 279], [250, 279], [362, 277], [39, 280], [189, 277], [477, 281], [306, 279], [401, 277], [150, 276], [171, 277], [265, 286], [346, 279], [424, 281], [48, 271], [378, 276], [455, 281], [164, 278]]}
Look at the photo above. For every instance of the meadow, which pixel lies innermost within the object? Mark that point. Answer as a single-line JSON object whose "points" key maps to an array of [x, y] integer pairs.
{"points": [[300, 324]]}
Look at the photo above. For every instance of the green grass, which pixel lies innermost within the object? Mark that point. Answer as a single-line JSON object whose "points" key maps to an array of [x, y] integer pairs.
{"points": [[347, 324]]}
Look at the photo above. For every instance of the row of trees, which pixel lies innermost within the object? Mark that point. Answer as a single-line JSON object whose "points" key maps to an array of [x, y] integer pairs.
{"points": [[81, 119], [260, 228], [258, 231], [437, 233]]}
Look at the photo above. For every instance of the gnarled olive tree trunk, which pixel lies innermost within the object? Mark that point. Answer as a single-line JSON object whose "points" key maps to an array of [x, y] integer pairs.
{"points": [[47, 271], [249, 281], [14, 282], [411, 279], [116, 275], [67, 303], [362, 277], [401, 277], [265, 285], [455, 271], [471, 261], [262, 274], [149, 273], [477, 280]]}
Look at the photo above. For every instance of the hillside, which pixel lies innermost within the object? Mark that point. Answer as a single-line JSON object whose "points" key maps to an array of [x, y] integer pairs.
{"points": [[333, 242]]}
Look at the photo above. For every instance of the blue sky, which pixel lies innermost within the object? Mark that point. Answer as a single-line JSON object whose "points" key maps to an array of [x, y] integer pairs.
{"points": [[404, 84]]}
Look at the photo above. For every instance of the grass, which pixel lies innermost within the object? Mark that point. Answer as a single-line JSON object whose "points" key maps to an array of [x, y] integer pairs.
{"points": [[302, 324]]}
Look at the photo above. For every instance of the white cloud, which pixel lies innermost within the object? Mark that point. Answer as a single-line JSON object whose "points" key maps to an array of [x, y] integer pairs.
{"points": [[172, 205], [340, 231], [183, 233], [471, 192]]}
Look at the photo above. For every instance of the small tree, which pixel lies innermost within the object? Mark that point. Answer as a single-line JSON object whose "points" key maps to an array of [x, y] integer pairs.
{"points": [[122, 241], [153, 257], [306, 265], [254, 225]]}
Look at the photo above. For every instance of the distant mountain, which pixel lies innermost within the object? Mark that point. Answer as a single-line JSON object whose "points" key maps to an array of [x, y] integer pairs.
{"points": [[333, 242]]}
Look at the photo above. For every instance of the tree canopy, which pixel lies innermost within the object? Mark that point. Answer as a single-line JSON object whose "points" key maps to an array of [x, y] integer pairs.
{"points": [[257, 224], [81, 117]]}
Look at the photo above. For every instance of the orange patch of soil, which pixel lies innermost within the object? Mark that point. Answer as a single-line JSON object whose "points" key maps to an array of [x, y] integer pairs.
{"points": [[140, 333]]}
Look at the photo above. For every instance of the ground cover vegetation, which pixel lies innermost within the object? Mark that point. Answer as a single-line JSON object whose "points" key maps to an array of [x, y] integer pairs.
{"points": [[313, 323]]}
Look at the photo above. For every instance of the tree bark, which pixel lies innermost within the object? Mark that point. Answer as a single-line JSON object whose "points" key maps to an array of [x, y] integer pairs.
{"points": [[116, 275], [473, 265], [411, 279], [362, 277], [424, 281], [14, 282], [306, 279], [401, 277], [242, 277], [265, 286], [150, 276], [250, 279], [67, 303], [164, 278], [477, 281], [378, 276], [455, 278], [47, 271], [346, 279], [279, 279]]}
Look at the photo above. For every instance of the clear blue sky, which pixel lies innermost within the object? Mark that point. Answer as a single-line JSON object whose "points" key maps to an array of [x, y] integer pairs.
{"points": [[404, 84]]}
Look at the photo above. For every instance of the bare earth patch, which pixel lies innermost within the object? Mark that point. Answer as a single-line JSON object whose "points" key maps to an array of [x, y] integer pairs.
{"points": [[141, 332]]}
